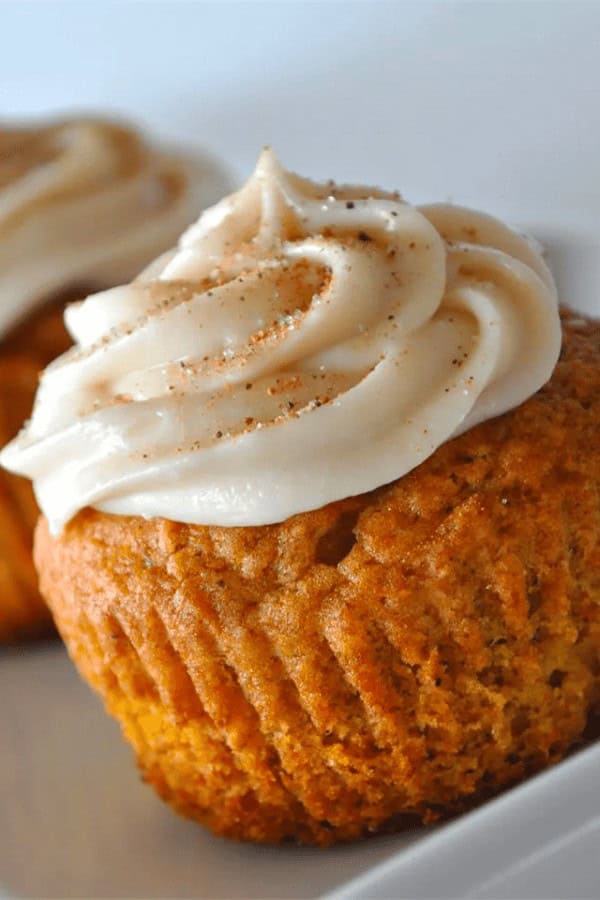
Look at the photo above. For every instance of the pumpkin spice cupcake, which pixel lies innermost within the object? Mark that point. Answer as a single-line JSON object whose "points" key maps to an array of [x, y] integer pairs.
{"points": [[321, 516], [84, 203]]}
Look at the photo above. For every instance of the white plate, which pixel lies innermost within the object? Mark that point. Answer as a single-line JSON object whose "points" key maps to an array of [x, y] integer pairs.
{"points": [[539, 841], [76, 821], [491, 104]]}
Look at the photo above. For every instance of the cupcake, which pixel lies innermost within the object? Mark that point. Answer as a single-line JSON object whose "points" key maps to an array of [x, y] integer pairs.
{"points": [[83, 204], [320, 511]]}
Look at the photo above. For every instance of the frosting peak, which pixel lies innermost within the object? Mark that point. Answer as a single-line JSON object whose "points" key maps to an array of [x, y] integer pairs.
{"points": [[303, 343]]}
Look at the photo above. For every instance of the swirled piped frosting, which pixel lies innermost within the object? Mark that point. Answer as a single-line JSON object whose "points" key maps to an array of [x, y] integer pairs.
{"points": [[87, 201], [302, 344]]}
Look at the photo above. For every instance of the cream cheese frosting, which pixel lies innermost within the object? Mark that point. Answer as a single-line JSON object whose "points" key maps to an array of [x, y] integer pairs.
{"points": [[303, 343], [87, 201]]}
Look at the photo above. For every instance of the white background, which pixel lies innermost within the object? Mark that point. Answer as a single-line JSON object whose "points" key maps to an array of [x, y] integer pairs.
{"points": [[491, 104], [494, 104]]}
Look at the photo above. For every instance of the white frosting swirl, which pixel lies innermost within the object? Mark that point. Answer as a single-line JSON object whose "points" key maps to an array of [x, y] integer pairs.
{"points": [[303, 343], [84, 201]]}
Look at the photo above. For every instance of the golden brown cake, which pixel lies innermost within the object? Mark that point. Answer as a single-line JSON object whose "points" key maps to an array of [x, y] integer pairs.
{"points": [[23, 354], [408, 651], [22, 610]]}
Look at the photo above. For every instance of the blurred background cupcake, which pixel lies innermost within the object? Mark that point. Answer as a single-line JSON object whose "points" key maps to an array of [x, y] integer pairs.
{"points": [[85, 203]]}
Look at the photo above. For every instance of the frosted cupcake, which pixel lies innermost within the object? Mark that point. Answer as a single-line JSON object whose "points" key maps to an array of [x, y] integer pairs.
{"points": [[317, 525], [83, 204]]}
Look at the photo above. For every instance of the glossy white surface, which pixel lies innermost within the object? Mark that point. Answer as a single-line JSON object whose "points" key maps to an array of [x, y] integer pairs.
{"points": [[489, 105]]}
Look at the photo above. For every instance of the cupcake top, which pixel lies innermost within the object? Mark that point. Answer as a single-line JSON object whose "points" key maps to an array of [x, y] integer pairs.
{"points": [[304, 343], [85, 201]]}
